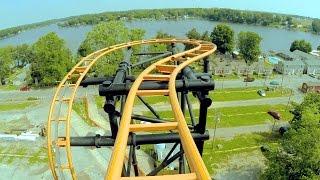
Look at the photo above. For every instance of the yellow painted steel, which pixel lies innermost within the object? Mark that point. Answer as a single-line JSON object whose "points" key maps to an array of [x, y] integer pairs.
{"points": [[71, 82]]}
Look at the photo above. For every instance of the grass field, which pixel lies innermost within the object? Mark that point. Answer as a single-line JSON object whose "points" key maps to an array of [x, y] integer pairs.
{"points": [[220, 151], [16, 152], [16, 105], [229, 94], [235, 94], [237, 116], [8, 88], [99, 101]]}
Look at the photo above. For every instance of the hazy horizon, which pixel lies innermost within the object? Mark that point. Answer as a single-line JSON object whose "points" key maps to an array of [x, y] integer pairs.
{"points": [[19, 12]]}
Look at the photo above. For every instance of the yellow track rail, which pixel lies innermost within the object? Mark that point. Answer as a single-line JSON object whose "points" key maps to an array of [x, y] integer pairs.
{"points": [[61, 107]]}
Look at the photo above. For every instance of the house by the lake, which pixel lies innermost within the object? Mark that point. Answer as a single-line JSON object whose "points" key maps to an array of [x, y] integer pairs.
{"points": [[297, 62], [295, 67], [289, 64], [312, 63]]}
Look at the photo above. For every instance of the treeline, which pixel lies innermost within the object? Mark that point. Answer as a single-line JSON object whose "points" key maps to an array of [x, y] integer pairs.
{"points": [[49, 59], [5, 33], [213, 14]]}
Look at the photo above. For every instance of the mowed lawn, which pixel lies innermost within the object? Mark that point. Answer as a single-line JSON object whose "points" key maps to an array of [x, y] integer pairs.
{"points": [[8, 88], [220, 151], [230, 94], [16, 105], [236, 116], [235, 94]]}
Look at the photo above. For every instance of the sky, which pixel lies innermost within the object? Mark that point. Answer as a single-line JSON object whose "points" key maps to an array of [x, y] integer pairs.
{"points": [[19, 12]]}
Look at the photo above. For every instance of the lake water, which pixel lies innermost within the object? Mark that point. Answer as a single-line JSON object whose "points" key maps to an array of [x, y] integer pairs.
{"points": [[273, 38]]}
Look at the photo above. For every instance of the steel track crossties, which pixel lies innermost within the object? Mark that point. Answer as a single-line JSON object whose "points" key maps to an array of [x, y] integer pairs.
{"points": [[165, 70]]}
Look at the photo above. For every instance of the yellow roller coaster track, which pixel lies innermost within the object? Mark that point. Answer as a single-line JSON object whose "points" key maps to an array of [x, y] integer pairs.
{"points": [[59, 120]]}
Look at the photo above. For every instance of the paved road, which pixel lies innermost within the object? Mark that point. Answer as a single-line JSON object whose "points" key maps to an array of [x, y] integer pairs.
{"points": [[233, 131]]}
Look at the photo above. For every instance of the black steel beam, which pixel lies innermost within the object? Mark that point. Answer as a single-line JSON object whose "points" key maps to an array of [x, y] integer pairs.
{"points": [[150, 53], [166, 54], [140, 139], [181, 85], [152, 120], [100, 80], [164, 163], [110, 103], [147, 119]]}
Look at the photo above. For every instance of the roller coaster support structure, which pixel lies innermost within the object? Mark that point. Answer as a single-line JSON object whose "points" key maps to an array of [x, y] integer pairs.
{"points": [[169, 75]]}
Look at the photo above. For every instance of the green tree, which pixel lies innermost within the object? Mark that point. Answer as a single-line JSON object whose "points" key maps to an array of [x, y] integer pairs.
{"points": [[249, 47], [22, 55], [289, 20], [163, 35], [223, 36], [298, 156], [104, 35], [318, 48], [206, 36], [316, 25], [193, 34], [301, 45], [158, 47], [6, 61], [52, 60]]}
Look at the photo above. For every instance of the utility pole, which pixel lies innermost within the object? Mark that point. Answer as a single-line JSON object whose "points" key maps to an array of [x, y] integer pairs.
{"points": [[217, 120]]}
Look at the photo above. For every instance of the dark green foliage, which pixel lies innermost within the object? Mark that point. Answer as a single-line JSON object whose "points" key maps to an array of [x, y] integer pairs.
{"points": [[163, 35], [22, 55], [6, 61], [193, 34], [223, 36], [298, 157], [4, 33], [249, 46], [214, 14], [104, 35], [318, 48], [316, 25], [52, 60], [206, 36], [289, 20], [301, 45], [160, 47]]}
